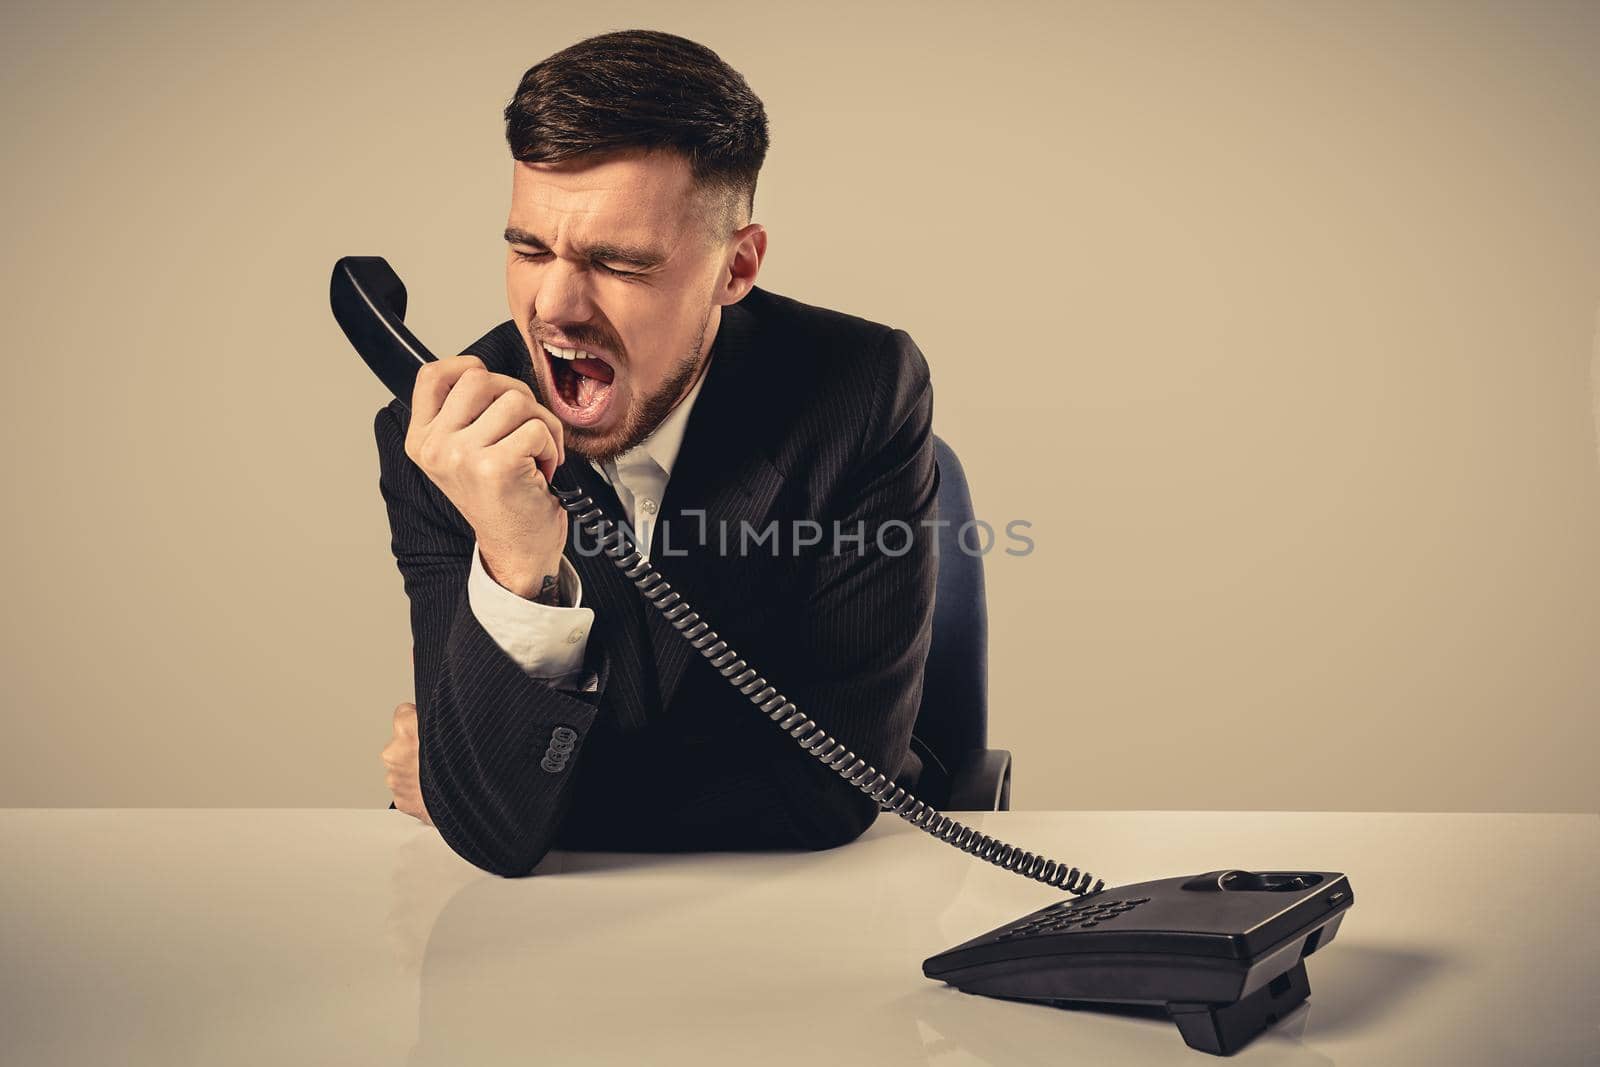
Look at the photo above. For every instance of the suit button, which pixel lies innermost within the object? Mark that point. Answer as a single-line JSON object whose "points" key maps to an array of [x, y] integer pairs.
{"points": [[563, 740], [575, 636]]}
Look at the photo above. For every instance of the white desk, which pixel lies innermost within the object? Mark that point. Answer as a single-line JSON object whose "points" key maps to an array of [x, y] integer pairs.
{"points": [[308, 937]]}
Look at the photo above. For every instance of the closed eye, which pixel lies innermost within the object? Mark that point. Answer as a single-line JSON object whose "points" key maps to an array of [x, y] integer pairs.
{"points": [[534, 257]]}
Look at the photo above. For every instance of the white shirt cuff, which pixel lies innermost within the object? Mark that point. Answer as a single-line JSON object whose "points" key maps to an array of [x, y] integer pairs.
{"points": [[547, 642]]}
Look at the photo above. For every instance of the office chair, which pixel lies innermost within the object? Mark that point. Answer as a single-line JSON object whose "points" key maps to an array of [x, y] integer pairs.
{"points": [[960, 772]]}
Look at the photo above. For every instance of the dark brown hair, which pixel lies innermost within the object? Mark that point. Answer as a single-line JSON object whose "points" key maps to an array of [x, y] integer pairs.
{"points": [[645, 89]]}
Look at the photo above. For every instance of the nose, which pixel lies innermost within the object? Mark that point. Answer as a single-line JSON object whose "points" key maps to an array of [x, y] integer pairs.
{"points": [[563, 294]]}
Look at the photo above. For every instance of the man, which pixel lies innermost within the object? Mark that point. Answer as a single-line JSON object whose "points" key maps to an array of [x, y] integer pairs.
{"points": [[773, 459]]}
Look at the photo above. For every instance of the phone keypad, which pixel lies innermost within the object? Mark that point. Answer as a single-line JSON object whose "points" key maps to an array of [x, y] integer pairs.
{"points": [[1058, 918]]}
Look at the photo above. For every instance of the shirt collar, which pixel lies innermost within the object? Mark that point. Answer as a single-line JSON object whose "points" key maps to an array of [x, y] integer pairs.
{"points": [[664, 442]]}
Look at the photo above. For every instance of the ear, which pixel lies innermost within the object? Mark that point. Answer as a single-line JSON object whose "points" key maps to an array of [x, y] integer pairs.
{"points": [[746, 247]]}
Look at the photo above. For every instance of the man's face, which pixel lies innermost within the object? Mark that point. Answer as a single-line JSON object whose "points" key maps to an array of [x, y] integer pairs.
{"points": [[613, 257]]}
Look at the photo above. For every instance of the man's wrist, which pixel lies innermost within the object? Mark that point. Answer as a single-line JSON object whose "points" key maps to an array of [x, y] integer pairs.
{"points": [[540, 584]]}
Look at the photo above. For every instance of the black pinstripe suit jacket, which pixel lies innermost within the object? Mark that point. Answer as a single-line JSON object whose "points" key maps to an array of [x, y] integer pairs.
{"points": [[805, 414]]}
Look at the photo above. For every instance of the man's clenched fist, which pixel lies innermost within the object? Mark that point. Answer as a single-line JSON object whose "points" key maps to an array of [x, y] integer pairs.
{"points": [[492, 449], [400, 757]]}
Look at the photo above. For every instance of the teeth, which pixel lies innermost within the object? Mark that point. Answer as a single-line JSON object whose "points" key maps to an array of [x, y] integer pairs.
{"points": [[565, 353]]}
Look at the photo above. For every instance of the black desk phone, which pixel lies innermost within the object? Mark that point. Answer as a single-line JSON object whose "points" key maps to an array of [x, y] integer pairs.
{"points": [[1222, 952]]}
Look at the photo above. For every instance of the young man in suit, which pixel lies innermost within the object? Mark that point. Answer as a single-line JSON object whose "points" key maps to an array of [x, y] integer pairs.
{"points": [[773, 459]]}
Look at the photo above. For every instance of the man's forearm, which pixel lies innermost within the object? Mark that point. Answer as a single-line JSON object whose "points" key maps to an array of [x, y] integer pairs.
{"points": [[484, 725], [488, 734]]}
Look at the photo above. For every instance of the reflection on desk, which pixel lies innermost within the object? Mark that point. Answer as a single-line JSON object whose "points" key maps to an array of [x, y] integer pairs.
{"points": [[247, 936]]}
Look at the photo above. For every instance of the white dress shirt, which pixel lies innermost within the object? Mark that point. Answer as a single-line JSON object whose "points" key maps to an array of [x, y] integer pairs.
{"points": [[549, 642]]}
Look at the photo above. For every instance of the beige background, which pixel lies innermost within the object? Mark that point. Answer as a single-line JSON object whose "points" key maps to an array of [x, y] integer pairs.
{"points": [[1277, 321]]}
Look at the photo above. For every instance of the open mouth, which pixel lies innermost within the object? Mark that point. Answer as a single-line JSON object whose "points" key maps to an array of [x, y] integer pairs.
{"points": [[583, 385]]}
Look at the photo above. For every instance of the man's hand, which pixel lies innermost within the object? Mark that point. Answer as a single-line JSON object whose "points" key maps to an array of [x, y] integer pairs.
{"points": [[400, 757], [492, 449]]}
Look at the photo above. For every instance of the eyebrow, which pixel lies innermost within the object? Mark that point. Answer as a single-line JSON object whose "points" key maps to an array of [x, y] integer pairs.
{"points": [[633, 255]]}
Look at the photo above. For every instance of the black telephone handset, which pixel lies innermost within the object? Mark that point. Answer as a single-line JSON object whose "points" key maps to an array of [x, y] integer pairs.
{"points": [[1222, 952]]}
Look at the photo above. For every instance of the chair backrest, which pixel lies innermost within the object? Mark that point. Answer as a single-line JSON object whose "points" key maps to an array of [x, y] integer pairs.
{"points": [[954, 716]]}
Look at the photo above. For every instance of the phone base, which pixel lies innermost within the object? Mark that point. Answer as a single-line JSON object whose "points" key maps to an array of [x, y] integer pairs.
{"points": [[1223, 1029]]}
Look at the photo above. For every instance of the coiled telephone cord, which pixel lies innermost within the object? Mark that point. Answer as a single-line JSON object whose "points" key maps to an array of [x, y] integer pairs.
{"points": [[810, 737]]}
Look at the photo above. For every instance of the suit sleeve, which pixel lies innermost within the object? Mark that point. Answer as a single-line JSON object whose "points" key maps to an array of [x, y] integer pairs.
{"points": [[853, 660], [495, 786]]}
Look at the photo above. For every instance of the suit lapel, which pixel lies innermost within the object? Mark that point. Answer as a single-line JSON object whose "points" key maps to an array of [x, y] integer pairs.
{"points": [[722, 476]]}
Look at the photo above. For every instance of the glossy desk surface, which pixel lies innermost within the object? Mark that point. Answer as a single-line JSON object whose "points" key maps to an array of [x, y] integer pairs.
{"points": [[313, 936]]}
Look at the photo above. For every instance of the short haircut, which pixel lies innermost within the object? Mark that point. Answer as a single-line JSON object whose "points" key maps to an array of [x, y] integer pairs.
{"points": [[645, 89]]}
